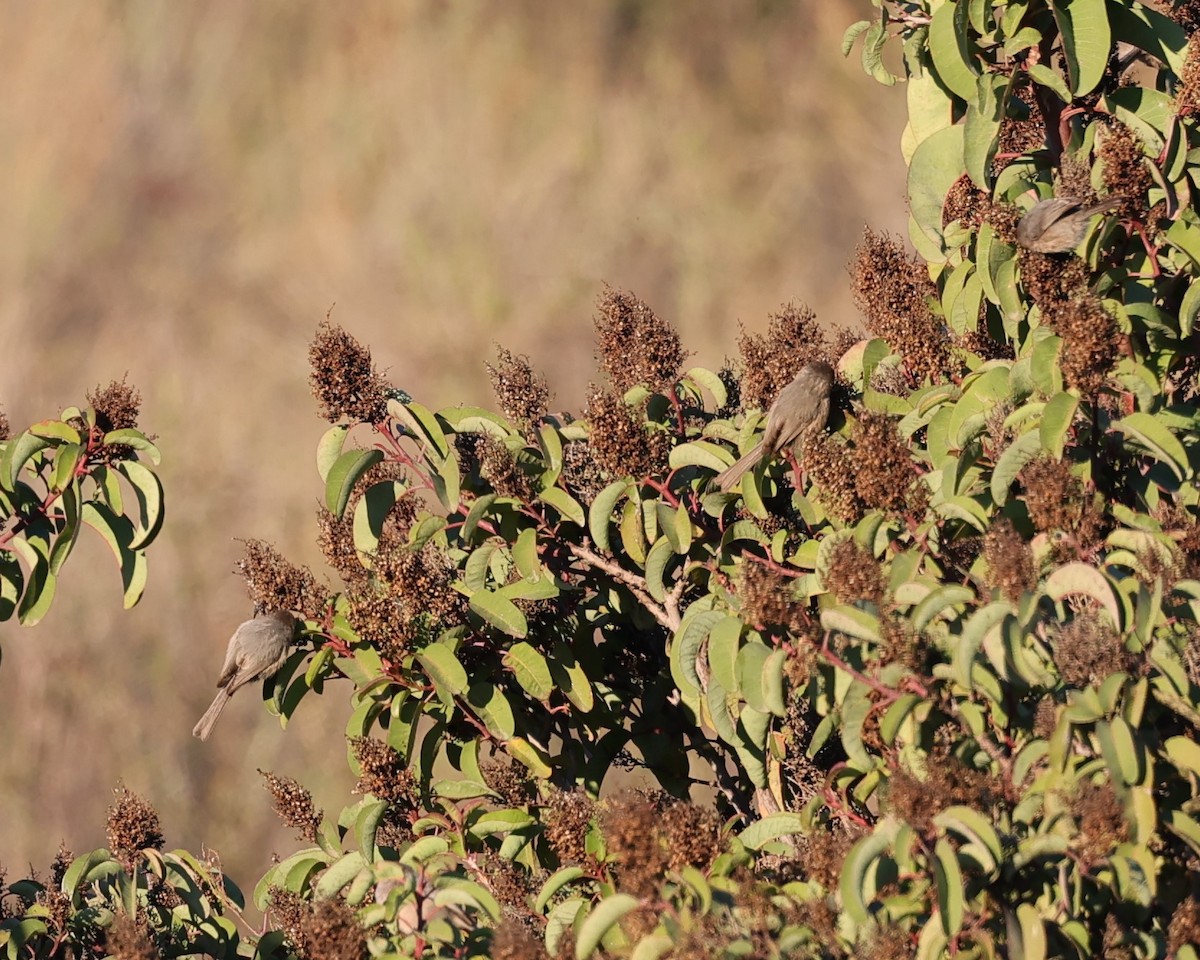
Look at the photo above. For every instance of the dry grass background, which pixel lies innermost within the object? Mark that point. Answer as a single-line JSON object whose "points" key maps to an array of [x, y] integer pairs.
{"points": [[188, 188]]}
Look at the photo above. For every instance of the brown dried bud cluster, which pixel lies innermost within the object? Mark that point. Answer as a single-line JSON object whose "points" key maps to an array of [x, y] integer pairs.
{"points": [[521, 393], [854, 574], [1123, 168], [582, 474], [275, 583], [1051, 282], [1099, 819], [510, 780], [567, 817], [965, 203], [1090, 343], [293, 805], [894, 293], [1021, 130], [621, 443], [823, 854], [502, 468], [130, 938], [133, 825], [1184, 928], [1187, 96], [828, 464], [770, 362], [768, 598], [1056, 503], [335, 538], [512, 940], [384, 774], [948, 782], [1089, 649], [5, 429], [329, 930], [634, 345], [344, 381], [884, 474], [116, 405], [1009, 560]]}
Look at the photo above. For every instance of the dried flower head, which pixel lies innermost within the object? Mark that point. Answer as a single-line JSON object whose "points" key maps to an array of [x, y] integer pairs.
{"points": [[129, 938], [884, 474], [275, 583], [293, 805], [894, 293], [521, 393], [948, 782], [567, 818], [1100, 820], [335, 538], [1056, 502], [621, 443], [692, 833], [384, 774], [5, 429], [767, 597], [635, 843], [854, 574], [510, 780], [1009, 559], [793, 339], [329, 930], [965, 203], [1090, 343], [1187, 97], [133, 825], [582, 474], [1089, 649], [344, 381], [513, 940], [634, 345], [502, 468], [827, 462], [1124, 170], [1184, 927], [1021, 130], [116, 405]]}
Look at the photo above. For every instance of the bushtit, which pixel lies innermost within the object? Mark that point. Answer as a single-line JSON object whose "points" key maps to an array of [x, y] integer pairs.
{"points": [[801, 408], [1057, 225], [256, 651]]}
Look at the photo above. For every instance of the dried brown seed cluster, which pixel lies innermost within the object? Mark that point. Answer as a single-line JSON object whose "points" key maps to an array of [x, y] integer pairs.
{"points": [[768, 598], [1186, 13], [1022, 130], [133, 825], [1184, 927], [512, 782], [384, 774], [692, 833], [344, 381], [854, 574], [275, 583], [1056, 503], [884, 474], [1088, 649], [1003, 218], [335, 538], [634, 345], [329, 930], [1188, 95], [293, 805], [620, 442], [116, 405], [965, 203], [567, 817], [828, 464], [582, 474], [521, 392], [5, 429], [1009, 559], [512, 884], [285, 910], [634, 843], [888, 943], [823, 854], [1123, 168], [1100, 820], [983, 344], [1090, 343], [769, 363], [512, 940], [948, 782], [894, 293], [1050, 281], [1045, 717], [501, 468], [129, 938]]}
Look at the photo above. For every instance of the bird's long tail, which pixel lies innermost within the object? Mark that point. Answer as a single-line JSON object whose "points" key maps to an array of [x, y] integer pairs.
{"points": [[728, 478], [211, 715]]}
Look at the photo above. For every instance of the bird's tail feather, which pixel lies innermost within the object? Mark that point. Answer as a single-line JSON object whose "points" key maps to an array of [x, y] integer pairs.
{"points": [[728, 478], [204, 727]]}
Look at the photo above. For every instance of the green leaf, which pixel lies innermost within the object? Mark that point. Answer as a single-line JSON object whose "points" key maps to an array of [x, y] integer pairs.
{"points": [[444, 670], [422, 424], [329, 448], [531, 670], [339, 874], [371, 512], [601, 510], [1086, 39], [854, 874], [118, 533], [1081, 579], [493, 708], [981, 133], [771, 827], [344, 474], [1012, 461], [135, 439], [17, 452], [948, 876], [1150, 433], [948, 48], [558, 880], [500, 613], [149, 491], [711, 382], [56, 430], [1056, 423], [700, 453], [567, 506], [936, 164], [532, 758]]}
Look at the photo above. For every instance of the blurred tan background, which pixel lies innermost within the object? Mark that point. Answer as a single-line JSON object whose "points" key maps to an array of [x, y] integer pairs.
{"points": [[187, 188]]}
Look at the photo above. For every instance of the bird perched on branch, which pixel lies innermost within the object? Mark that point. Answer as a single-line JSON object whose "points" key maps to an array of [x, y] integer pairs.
{"points": [[1058, 225], [256, 651], [800, 410]]}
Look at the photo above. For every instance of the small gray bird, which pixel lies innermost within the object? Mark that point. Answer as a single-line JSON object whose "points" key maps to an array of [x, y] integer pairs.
{"points": [[256, 651], [800, 410], [1058, 225]]}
